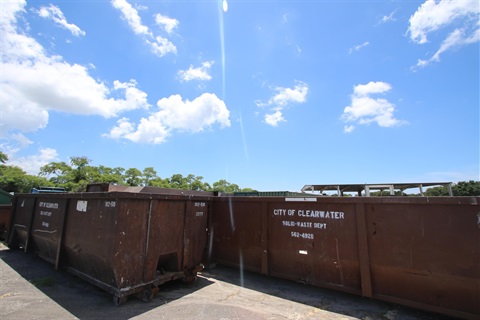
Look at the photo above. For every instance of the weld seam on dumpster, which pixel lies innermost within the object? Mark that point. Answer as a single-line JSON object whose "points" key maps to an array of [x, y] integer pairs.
{"points": [[60, 237], [364, 258], [29, 227]]}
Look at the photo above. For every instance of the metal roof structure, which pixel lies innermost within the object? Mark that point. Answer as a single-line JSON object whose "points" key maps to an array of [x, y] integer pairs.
{"points": [[367, 187]]}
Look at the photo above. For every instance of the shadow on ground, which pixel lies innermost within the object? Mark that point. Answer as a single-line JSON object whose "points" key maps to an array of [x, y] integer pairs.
{"points": [[329, 300], [84, 300]]}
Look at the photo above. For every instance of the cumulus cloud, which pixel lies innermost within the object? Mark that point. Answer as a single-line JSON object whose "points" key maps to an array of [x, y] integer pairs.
{"points": [[434, 15], [365, 109], [174, 114], [130, 14], [35, 83], [167, 24], [281, 99], [159, 45], [274, 119], [56, 15], [32, 164], [358, 47], [199, 73]]}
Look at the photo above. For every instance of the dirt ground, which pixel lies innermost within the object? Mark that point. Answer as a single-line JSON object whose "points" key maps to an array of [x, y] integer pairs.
{"points": [[30, 288]]}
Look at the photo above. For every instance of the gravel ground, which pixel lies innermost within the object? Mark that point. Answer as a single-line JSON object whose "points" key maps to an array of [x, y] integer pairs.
{"points": [[30, 288]]}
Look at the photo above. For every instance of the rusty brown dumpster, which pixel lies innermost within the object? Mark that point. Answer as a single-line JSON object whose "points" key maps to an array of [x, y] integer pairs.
{"points": [[418, 252], [5, 218], [125, 243]]}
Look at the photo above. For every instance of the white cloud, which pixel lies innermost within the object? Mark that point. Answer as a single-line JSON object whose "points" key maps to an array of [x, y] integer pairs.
{"points": [[455, 39], [168, 24], [56, 15], [162, 46], [358, 47], [34, 83], [348, 129], [365, 109], [123, 128], [274, 118], [21, 140], [388, 18], [371, 88], [199, 73], [32, 164], [433, 15], [174, 114], [283, 98], [130, 14]]}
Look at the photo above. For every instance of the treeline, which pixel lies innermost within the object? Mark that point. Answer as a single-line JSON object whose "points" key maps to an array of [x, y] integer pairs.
{"points": [[78, 173], [462, 188]]}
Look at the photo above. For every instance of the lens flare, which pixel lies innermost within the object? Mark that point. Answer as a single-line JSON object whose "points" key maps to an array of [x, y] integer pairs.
{"points": [[222, 39]]}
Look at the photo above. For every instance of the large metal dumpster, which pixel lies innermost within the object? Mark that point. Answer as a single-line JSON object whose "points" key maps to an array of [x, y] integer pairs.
{"points": [[125, 243], [419, 252], [5, 213], [5, 217]]}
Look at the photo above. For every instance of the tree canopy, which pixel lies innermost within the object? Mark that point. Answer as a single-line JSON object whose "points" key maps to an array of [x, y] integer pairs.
{"points": [[78, 173], [462, 188]]}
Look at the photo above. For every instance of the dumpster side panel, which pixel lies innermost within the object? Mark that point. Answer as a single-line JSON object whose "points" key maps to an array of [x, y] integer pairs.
{"points": [[130, 237], [426, 254], [47, 226], [195, 234], [22, 214], [236, 233], [5, 219], [89, 238], [105, 239], [315, 243], [165, 238]]}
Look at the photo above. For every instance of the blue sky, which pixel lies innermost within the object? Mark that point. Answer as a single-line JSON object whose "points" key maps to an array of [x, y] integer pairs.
{"points": [[270, 95]]}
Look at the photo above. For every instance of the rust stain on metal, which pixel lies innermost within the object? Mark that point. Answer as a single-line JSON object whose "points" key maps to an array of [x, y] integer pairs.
{"points": [[5, 219], [419, 252], [125, 243]]}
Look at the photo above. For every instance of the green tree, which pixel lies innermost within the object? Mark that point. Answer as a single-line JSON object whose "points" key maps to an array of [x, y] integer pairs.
{"points": [[149, 174], [440, 191], [464, 188], [73, 176], [133, 177], [196, 183], [177, 181], [14, 179], [79, 167], [3, 157], [160, 183], [225, 186], [56, 172]]}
